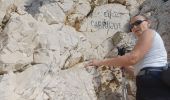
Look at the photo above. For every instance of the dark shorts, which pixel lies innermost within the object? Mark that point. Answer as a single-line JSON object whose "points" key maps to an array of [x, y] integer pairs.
{"points": [[150, 87]]}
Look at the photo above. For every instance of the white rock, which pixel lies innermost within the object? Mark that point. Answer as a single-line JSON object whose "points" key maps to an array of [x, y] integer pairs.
{"points": [[66, 5], [42, 56], [133, 7], [39, 45], [52, 13], [34, 79], [57, 37], [21, 33], [8, 82], [77, 85], [83, 7], [69, 38], [105, 21], [4, 4], [73, 59], [11, 58], [80, 11], [39, 84]]}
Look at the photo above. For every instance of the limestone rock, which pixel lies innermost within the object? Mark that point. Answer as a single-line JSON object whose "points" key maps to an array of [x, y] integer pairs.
{"points": [[74, 58], [4, 5], [42, 57], [66, 5], [45, 43], [121, 39], [20, 39], [31, 6], [39, 83], [70, 38], [84, 46], [105, 21], [52, 13], [133, 6], [81, 10], [47, 37], [107, 83]]}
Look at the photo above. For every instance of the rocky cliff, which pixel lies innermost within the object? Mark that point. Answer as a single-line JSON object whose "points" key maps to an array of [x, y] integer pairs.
{"points": [[44, 45]]}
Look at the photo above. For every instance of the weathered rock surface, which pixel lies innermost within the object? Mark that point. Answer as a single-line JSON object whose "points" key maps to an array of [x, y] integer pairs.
{"points": [[43, 84], [44, 45], [4, 5]]}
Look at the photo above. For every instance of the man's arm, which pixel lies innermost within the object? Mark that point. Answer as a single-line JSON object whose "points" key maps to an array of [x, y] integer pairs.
{"points": [[141, 48]]}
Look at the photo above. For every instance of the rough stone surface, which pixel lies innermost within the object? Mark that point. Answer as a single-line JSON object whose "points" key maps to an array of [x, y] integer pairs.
{"points": [[52, 13], [44, 45], [43, 84], [4, 5], [104, 22], [21, 34]]}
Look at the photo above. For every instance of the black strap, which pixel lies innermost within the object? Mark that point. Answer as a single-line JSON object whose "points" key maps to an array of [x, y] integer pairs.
{"points": [[154, 68]]}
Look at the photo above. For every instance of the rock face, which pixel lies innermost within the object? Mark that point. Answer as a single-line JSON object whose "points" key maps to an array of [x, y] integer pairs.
{"points": [[44, 45]]}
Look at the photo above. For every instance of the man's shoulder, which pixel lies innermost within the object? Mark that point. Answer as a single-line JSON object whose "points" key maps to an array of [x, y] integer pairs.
{"points": [[147, 35], [149, 31]]}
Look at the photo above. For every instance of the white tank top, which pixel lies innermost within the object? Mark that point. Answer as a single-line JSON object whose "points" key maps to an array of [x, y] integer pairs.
{"points": [[156, 57]]}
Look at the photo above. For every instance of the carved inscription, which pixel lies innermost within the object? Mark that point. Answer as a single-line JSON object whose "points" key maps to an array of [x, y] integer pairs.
{"points": [[107, 22]]}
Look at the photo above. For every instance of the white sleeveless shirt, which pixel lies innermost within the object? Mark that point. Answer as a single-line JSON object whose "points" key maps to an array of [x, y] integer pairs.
{"points": [[155, 57]]}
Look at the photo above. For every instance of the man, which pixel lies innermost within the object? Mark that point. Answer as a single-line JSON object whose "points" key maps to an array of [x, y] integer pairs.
{"points": [[148, 57]]}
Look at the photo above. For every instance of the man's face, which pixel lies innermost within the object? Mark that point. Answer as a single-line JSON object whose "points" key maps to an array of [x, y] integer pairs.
{"points": [[138, 24]]}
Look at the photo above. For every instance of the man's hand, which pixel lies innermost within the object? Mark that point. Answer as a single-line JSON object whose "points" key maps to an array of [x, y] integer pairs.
{"points": [[93, 63]]}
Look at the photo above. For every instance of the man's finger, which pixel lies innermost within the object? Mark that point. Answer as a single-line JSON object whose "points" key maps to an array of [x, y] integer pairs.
{"points": [[87, 64], [90, 63]]}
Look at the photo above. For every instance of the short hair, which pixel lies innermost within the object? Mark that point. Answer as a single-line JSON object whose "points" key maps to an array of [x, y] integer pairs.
{"points": [[146, 17]]}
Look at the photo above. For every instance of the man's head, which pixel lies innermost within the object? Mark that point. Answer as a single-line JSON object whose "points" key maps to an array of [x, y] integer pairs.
{"points": [[138, 24]]}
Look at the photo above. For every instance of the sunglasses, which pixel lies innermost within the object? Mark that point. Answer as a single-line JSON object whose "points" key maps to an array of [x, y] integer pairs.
{"points": [[136, 23]]}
